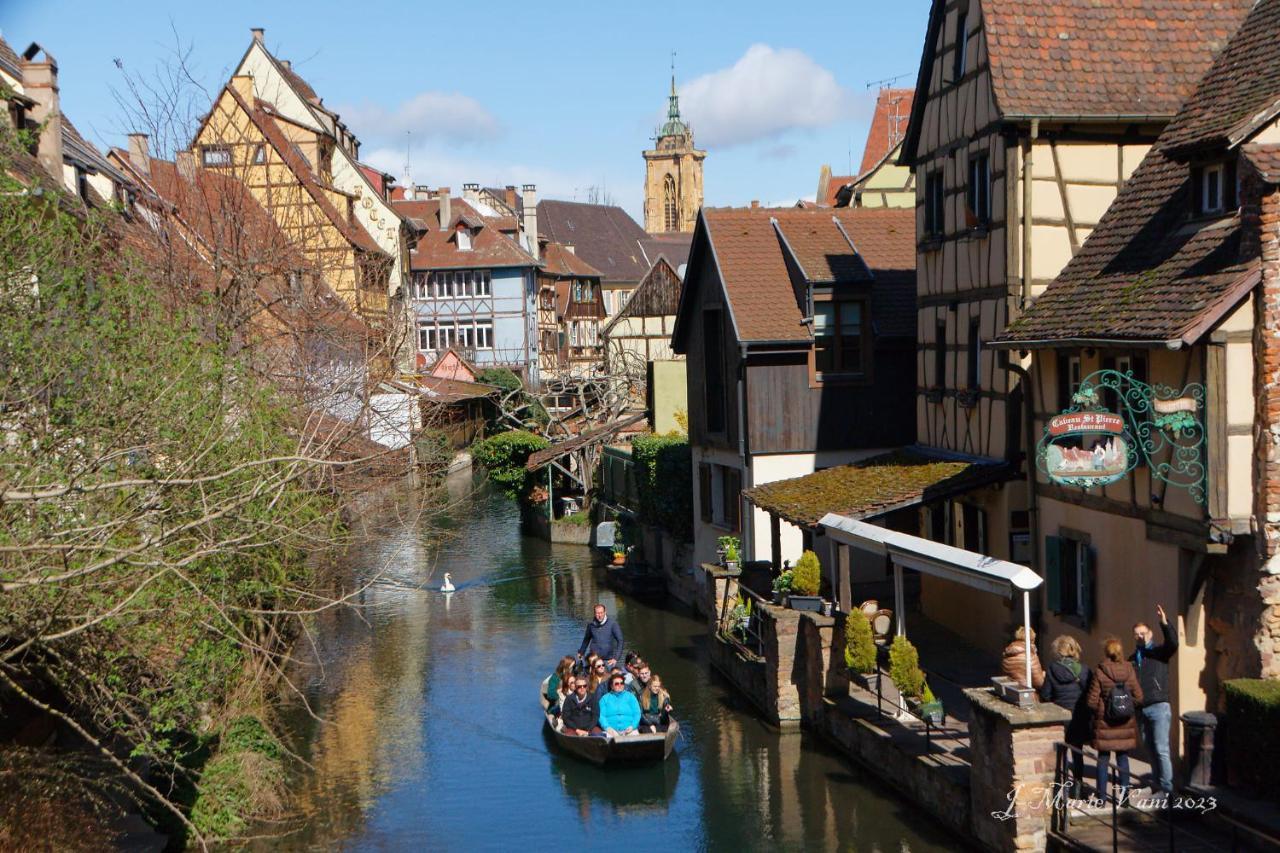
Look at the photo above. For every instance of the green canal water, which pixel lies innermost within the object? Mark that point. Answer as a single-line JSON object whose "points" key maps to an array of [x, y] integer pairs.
{"points": [[432, 738]]}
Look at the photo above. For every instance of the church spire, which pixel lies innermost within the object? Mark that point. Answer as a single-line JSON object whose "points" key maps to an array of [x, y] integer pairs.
{"points": [[675, 126]]}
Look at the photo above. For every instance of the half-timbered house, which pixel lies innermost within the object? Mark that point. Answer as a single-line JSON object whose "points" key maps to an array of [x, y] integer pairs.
{"points": [[1028, 118], [570, 310], [1165, 319]]}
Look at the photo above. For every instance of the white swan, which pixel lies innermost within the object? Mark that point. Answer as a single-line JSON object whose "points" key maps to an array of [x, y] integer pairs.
{"points": [[447, 586]]}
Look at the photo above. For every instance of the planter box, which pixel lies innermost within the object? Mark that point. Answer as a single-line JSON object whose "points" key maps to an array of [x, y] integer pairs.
{"points": [[806, 603], [863, 680]]}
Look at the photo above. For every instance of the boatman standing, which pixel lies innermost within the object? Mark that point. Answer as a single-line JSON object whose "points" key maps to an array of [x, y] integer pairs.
{"points": [[604, 637]]}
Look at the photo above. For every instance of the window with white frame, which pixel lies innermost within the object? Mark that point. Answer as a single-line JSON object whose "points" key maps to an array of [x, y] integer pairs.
{"points": [[464, 240], [1212, 190], [1070, 576], [438, 335]]}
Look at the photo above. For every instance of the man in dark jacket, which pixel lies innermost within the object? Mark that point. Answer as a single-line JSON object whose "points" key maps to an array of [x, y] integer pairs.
{"points": [[579, 712], [603, 637], [1156, 716]]}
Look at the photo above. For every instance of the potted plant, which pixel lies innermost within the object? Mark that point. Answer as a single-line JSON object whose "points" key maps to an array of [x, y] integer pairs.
{"points": [[930, 707], [860, 653], [740, 615], [619, 554], [904, 670], [805, 583], [782, 585], [728, 551]]}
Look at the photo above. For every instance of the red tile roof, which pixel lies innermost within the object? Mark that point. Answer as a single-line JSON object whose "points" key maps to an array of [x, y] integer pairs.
{"points": [[1108, 58], [438, 249], [1149, 272], [1089, 58], [1236, 96], [749, 250], [1266, 160], [557, 260], [836, 183], [888, 127]]}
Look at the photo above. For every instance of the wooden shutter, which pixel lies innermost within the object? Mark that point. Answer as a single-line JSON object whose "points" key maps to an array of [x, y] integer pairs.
{"points": [[733, 498], [704, 490], [1053, 573], [1088, 582]]}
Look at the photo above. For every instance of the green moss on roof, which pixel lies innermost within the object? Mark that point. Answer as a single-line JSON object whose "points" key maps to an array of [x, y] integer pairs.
{"points": [[869, 487]]}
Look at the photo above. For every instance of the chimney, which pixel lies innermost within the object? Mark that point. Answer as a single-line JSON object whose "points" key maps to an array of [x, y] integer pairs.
{"points": [[471, 192], [140, 153], [509, 196], [242, 85], [288, 65], [446, 206], [40, 83], [824, 183], [186, 161], [755, 202], [529, 217], [258, 33]]}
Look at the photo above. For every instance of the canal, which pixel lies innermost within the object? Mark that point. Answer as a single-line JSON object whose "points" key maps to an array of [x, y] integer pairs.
{"points": [[432, 737]]}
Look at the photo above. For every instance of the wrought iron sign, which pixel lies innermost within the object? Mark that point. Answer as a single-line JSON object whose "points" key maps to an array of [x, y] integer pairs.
{"points": [[1088, 445]]}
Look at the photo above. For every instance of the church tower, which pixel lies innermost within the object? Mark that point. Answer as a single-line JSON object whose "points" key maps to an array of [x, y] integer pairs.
{"points": [[673, 174]]}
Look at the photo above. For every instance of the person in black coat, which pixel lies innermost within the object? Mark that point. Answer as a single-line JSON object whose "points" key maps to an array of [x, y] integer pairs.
{"points": [[579, 713], [604, 637], [1155, 717], [1066, 684]]}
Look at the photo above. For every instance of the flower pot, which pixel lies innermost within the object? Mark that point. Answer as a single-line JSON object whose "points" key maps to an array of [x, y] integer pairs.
{"points": [[777, 598], [619, 559], [929, 711], [730, 565], [806, 603]]}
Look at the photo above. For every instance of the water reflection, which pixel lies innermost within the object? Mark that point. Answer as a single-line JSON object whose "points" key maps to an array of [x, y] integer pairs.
{"points": [[432, 737]]}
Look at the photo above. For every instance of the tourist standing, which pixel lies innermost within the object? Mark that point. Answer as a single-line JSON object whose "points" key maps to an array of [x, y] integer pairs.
{"points": [[603, 637], [1066, 684], [1114, 696], [1155, 714]]}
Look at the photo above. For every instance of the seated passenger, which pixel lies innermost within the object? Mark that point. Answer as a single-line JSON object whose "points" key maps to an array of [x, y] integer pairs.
{"points": [[619, 710], [579, 715], [655, 707], [599, 678], [631, 667], [643, 676], [555, 684]]}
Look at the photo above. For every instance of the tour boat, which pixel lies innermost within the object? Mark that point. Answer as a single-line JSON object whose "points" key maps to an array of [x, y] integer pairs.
{"points": [[610, 750]]}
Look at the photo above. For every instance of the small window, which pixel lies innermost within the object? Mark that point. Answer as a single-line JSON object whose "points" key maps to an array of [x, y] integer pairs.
{"points": [[934, 219], [1070, 577], [483, 283], [1211, 188], [464, 239], [838, 338], [1214, 188], [260, 154], [216, 155], [959, 63], [426, 337], [1069, 377], [978, 192]]}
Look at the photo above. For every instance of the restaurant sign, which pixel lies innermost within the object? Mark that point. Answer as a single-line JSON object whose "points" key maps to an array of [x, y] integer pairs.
{"points": [[1088, 445]]}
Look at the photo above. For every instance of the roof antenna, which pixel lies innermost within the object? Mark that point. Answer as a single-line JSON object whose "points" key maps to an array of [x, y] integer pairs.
{"points": [[408, 175]]}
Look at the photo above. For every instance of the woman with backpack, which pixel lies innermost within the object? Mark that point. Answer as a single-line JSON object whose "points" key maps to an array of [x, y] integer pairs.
{"points": [[1066, 684], [1114, 696]]}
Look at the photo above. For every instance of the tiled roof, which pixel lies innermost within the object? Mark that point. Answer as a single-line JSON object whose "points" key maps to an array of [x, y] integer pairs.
{"points": [[440, 389], [1266, 160], [837, 183], [1109, 58], [1149, 273], [437, 249], [752, 259], [301, 169], [603, 235], [871, 487], [888, 127], [1237, 94], [559, 261], [1145, 273], [9, 60], [1089, 58]]}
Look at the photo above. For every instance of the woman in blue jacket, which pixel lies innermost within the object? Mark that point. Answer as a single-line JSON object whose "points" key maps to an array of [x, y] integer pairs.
{"points": [[619, 710]]}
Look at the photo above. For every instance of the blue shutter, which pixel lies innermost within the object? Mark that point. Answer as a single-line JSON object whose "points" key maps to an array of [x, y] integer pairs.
{"points": [[1053, 573]]}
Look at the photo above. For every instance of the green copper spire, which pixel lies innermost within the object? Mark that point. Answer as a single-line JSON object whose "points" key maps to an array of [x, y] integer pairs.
{"points": [[674, 126]]}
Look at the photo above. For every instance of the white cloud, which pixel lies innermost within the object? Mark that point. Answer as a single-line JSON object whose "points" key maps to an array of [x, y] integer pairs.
{"points": [[764, 94], [429, 115]]}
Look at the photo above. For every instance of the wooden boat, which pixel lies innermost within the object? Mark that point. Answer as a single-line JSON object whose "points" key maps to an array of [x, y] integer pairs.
{"points": [[630, 749]]}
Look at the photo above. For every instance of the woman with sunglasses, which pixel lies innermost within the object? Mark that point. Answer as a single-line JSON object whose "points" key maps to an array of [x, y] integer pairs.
{"points": [[619, 710]]}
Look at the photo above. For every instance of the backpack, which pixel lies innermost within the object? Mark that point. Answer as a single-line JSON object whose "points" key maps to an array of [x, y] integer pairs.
{"points": [[1119, 707]]}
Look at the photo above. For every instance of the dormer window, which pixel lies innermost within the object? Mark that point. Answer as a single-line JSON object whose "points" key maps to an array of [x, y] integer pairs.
{"points": [[464, 240], [1214, 185], [840, 338]]}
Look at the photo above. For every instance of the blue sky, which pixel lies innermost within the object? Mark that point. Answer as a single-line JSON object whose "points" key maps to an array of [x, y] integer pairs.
{"points": [[564, 95]]}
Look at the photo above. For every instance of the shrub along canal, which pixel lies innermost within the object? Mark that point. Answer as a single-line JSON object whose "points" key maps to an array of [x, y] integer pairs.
{"points": [[434, 738]]}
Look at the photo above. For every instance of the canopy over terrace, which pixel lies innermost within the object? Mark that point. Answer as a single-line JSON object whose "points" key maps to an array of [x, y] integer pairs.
{"points": [[971, 569]]}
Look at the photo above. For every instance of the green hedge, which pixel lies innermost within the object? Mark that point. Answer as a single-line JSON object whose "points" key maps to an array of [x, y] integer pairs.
{"points": [[664, 482], [1253, 736], [504, 455]]}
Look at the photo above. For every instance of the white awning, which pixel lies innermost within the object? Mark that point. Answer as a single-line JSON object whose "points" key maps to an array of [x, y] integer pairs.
{"points": [[933, 558]]}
